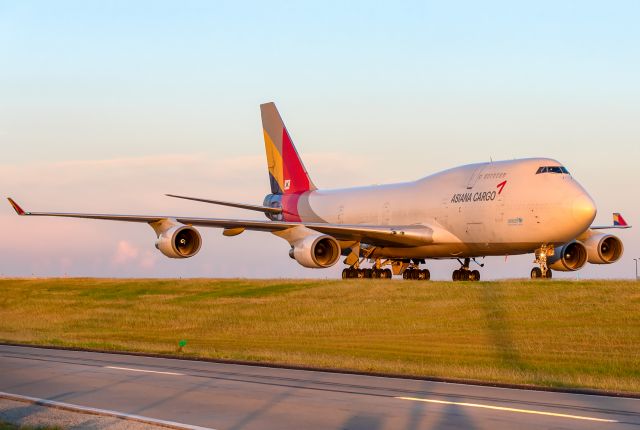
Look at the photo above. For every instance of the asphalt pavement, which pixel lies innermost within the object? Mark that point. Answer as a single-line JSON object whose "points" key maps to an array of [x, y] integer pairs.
{"points": [[233, 397]]}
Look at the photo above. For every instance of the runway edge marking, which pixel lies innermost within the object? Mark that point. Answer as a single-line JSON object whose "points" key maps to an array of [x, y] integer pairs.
{"points": [[102, 412], [143, 370], [506, 409]]}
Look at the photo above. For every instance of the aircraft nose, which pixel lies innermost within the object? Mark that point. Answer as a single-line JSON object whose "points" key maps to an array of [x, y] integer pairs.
{"points": [[584, 209]]}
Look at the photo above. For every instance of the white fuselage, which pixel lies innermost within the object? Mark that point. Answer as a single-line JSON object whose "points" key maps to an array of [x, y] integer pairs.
{"points": [[494, 208]]}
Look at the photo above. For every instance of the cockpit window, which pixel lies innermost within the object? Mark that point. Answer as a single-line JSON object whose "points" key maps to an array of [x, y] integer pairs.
{"points": [[552, 169]]}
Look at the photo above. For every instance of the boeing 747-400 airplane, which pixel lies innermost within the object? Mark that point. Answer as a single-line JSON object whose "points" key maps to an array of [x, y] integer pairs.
{"points": [[497, 208]]}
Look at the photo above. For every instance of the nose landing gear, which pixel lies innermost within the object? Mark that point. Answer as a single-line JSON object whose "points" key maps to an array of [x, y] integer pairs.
{"points": [[464, 273], [542, 272]]}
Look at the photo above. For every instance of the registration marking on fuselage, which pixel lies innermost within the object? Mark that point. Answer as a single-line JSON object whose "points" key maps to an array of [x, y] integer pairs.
{"points": [[143, 370], [505, 409]]}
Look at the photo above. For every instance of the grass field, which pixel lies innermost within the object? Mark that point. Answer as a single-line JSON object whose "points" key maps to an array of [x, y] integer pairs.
{"points": [[559, 333]]}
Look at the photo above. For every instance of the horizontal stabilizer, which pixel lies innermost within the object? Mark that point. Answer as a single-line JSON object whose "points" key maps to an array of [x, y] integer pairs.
{"points": [[258, 208], [618, 222]]}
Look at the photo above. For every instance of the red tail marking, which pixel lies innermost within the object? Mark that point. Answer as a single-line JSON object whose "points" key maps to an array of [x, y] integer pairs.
{"points": [[295, 178]]}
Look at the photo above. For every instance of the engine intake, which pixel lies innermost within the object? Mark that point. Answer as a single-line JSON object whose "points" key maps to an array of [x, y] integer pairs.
{"points": [[316, 251], [604, 249], [180, 241], [569, 257]]}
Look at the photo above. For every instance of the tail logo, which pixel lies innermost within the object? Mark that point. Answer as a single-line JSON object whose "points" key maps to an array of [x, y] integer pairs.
{"points": [[286, 172], [618, 220]]}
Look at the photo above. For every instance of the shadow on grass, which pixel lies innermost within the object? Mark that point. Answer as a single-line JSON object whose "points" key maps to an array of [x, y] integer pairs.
{"points": [[500, 334], [499, 330]]}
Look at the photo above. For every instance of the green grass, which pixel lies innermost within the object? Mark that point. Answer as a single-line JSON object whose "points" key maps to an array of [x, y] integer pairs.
{"points": [[560, 333]]}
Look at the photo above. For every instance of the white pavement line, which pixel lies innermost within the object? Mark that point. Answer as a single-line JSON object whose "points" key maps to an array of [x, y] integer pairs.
{"points": [[143, 370], [502, 408], [103, 412]]}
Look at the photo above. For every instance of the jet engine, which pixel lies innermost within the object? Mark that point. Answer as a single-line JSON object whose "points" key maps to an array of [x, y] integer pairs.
{"points": [[569, 257], [180, 241], [604, 249], [316, 251]]}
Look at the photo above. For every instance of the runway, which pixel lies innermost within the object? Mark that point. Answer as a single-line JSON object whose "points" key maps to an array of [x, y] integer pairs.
{"points": [[234, 397]]}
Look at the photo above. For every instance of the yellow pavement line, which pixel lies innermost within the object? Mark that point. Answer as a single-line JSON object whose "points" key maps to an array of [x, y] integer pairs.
{"points": [[143, 370], [502, 408]]}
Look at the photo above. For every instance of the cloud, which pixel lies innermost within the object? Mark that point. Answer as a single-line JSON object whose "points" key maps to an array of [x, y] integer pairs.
{"points": [[128, 254], [125, 253]]}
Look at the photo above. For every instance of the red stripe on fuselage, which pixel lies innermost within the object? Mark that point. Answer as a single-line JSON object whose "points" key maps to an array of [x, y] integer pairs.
{"points": [[290, 207]]}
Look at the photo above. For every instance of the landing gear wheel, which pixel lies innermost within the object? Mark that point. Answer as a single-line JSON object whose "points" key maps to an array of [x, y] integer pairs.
{"points": [[345, 273], [367, 273], [548, 275], [375, 273], [427, 274], [536, 273], [455, 276], [387, 273], [475, 275]]}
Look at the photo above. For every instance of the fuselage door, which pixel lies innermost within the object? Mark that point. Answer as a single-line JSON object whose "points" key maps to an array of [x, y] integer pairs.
{"points": [[475, 176]]}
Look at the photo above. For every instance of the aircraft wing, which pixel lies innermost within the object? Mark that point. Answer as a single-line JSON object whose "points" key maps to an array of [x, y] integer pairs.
{"points": [[258, 208], [378, 235]]}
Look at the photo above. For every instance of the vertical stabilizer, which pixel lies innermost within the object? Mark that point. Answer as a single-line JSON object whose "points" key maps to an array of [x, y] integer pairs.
{"points": [[286, 171], [618, 221]]}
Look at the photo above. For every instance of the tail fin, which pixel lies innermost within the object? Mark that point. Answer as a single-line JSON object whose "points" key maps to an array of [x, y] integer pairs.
{"points": [[286, 171], [618, 220]]}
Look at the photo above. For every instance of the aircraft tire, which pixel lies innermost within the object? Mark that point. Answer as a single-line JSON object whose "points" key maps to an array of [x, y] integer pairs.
{"points": [[345, 273], [387, 273], [549, 274], [536, 273], [426, 275], [475, 275], [455, 276], [367, 273]]}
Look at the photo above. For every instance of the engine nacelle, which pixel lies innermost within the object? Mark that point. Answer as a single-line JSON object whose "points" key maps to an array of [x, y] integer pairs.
{"points": [[604, 249], [569, 257], [316, 251], [180, 241]]}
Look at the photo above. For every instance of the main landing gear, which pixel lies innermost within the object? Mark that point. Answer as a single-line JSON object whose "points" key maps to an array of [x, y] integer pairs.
{"points": [[542, 272], [415, 273], [409, 269], [356, 273], [464, 273]]}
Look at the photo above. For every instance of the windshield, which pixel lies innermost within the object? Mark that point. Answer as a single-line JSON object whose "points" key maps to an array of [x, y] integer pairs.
{"points": [[552, 169]]}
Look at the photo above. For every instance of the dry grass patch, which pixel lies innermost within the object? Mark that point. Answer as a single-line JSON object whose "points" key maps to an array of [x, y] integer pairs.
{"points": [[560, 333]]}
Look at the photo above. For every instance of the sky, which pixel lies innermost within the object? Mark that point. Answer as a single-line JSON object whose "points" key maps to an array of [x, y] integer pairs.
{"points": [[107, 106]]}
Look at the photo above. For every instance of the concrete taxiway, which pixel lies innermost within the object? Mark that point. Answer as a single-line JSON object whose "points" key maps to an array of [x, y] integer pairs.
{"points": [[230, 396]]}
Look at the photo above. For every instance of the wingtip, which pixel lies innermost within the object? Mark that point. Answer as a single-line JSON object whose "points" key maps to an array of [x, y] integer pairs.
{"points": [[16, 207]]}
